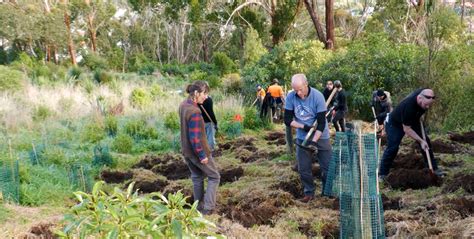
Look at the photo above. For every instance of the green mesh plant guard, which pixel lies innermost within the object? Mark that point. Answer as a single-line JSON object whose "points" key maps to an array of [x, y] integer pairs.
{"points": [[352, 177], [10, 181], [80, 177], [102, 156]]}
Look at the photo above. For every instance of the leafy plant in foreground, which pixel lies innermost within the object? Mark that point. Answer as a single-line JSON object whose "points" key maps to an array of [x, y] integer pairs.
{"points": [[125, 214]]}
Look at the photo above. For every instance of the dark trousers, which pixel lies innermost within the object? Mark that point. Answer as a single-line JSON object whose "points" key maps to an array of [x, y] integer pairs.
{"points": [[394, 138], [305, 160], [199, 171], [338, 121]]}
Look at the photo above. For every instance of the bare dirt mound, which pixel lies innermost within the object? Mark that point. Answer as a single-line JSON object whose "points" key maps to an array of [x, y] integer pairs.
{"points": [[146, 181], [412, 178], [231, 175], [463, 205], [172, 166], [439, 146], [408, 161], [391, 203], [248, 156], [467, 137], [291, 184], [276, 137], [42, 230], [115, 176], [460, 180], [255, 208]]}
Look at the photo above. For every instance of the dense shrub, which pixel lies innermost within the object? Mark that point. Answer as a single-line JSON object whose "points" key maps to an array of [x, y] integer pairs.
{"points": [[11, 80], [172, 121], [94, 61], [140, 98], [156, 91], [111, 125], [371, 63], [283, 61], [93, 133], [102, 76], [223, 63], [252, 119], [139, 129], [233, 83], [75, 72], [123, 143]]}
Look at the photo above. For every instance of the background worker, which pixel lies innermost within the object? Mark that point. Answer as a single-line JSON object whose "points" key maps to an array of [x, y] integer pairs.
{"points": [[260, 97], [207, 111], [327, 92], [382, 103], [405, 119], [303, 107], [277, 94], [340, 108]]}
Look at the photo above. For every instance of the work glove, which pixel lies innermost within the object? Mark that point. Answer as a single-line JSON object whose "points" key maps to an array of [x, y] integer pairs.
{"points": [[307, 128]]}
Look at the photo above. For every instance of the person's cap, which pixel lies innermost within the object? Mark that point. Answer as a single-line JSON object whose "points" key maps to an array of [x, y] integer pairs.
{"points": [[337, 84], [258, 85], [275, 80], [380, 93]]}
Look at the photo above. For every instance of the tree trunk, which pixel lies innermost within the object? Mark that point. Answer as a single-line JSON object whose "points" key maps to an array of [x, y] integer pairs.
{"points": [[330, 41], [48, 53], [462, 11], [92, 32], [55, 54], [205, 48], [317, 24], [70, 44]]}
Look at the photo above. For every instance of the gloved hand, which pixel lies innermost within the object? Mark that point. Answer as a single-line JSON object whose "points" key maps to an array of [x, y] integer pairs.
{"points": [[307, 128]]}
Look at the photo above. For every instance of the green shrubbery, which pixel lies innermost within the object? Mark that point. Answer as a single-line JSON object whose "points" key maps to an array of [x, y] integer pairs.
{"points": [[223, 63], [123, 143], [111, 125], [93, 133], [140, 98], [139, 130], [172, 121], [122, 214], [11, 80], [233, 83], [41, 113]]}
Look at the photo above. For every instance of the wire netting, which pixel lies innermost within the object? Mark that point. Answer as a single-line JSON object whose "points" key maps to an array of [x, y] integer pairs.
{"points": [[80, 177], [10, 181], [352, 177], [102, 156]]}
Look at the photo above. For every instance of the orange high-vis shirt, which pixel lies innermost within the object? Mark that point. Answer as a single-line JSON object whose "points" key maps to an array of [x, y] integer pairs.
{"points": [[276, 91], [261, 93]]}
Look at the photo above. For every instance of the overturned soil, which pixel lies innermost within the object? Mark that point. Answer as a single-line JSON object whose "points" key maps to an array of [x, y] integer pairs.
{"points": [[115, 176], [276, 137], [291, 184], [172, 166], [460, 180], [248, 156], [42, 230], [328, 230], [173, 170], [467, 137], [412, 178], [391, 203], [439, 146], [256, 209], [408, 161], [463, 205], [231, 175], [147, 182]]}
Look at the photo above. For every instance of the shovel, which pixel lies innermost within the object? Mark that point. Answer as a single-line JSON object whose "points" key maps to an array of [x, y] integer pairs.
{"points": [[427, 152]]}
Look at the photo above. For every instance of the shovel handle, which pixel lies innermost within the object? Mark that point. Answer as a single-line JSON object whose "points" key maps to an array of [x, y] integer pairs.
{"points": [[427, 152]]}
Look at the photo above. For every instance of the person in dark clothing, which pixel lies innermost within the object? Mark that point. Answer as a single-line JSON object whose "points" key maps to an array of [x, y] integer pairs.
{"points": [[382, 103], [340, 108], [207, 110], [405, 119], [266, 105], [327, 92]]}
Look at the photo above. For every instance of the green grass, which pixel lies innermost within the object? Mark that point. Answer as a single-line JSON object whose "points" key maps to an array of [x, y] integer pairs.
{"points": [[4, 213]]}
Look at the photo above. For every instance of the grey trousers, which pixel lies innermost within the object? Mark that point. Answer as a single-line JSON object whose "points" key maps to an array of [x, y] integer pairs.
{"points": [[207, 200], [305, 160]]}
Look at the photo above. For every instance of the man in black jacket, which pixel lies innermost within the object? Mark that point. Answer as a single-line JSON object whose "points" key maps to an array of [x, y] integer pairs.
{"points": [[340, 108], [382, 104], [405, 119]]}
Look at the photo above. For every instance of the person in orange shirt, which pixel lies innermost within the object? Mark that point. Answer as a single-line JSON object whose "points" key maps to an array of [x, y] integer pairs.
{"points": [[278, 99], [260, 96]]}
